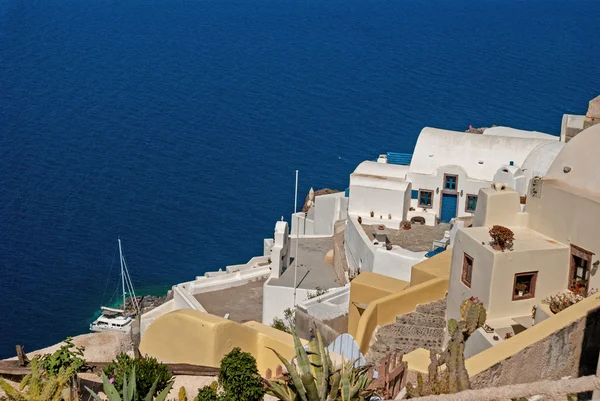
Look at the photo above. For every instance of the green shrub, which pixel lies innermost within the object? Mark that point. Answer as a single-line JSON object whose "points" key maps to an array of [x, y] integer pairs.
{"points": [[239, 376], [148, 370], [67, 356], [207, 394], [279, 324], [239, 379]]}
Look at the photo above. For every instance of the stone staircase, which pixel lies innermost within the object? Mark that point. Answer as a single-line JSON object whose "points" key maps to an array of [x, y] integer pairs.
{"points": [[423, 328]]}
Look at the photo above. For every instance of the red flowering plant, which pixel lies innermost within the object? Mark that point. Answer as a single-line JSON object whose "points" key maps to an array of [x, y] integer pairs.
{"points": [[562, 301], [579, 287], [502, 237]]}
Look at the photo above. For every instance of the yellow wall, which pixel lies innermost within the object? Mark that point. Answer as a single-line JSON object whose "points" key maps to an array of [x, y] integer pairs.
{"points": [[366, 288], [385, 298], [190, 336], [384, 310], [437, 266]]}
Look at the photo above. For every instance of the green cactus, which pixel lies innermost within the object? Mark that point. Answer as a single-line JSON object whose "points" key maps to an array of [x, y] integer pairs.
{"points": [[314, 378], [473, 314], [454, 377]]}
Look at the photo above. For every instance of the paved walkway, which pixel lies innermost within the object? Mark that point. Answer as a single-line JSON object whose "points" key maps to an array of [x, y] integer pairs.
{"points": [[313, 271]]}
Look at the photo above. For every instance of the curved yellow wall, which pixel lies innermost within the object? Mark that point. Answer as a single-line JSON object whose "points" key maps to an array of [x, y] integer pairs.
{"points": [[366, 288], [384, 310], [376, 300], [190, 336]]}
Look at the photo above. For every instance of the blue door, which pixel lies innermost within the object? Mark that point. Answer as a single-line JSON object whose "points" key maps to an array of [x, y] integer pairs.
{"points": [[448, 209]]}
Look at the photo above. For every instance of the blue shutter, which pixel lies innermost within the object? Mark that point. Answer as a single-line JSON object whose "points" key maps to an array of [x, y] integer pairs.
{"points": [[415, 194]]}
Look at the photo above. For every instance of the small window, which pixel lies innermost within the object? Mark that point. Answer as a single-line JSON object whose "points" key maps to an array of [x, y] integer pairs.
{"points": [[467, 270], [425, 198], [415, 194], [579, 275], [450, 182], [524, 286], [471, 203]]}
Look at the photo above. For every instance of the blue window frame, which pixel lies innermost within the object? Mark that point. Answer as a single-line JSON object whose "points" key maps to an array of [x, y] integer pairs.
{"points": [[415, 194], [450, 182], [425, 198], [471, 203]]}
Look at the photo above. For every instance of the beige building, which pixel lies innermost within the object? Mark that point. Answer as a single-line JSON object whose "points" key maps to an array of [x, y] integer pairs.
{"points": [[555, 246]]}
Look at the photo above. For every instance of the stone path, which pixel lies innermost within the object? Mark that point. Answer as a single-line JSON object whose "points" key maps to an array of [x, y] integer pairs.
{"points": [[418, 239]]}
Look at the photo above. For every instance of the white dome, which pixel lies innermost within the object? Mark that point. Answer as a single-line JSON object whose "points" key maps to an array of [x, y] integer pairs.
{"points": [[577, 164]]}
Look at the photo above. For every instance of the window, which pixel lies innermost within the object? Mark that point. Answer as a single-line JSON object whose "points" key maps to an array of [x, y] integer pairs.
{"points": [[425, 198], [579, 274], [415, 194], [524, 286], [467, 270], [471, 203], [450, 182]]}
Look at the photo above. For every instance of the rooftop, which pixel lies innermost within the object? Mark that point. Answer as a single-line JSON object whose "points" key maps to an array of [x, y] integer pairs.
{"points": [[418, 239], [243, 303], [525, 239], [313, 269]]}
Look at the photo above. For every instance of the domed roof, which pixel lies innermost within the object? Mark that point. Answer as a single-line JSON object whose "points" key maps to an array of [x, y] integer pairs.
{"points": [[479, 155], [577, 163], [540, 159]]}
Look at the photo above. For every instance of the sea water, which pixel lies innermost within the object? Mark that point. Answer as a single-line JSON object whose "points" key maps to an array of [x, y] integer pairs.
{"points": [[178, 124]]}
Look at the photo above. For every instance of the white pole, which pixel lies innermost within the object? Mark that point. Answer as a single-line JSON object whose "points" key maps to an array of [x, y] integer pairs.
{"points": [[297, 236], [296, 194]]}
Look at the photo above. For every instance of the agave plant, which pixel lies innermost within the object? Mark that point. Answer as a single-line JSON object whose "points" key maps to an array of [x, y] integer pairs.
{"points": [[36, 386], [314, 378], [129, 390]]}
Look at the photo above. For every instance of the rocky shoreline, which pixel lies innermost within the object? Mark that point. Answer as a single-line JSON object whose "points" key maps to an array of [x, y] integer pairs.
{"points": [[147, 302]]}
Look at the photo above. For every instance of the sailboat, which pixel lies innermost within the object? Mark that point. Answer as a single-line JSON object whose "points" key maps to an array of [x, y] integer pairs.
{"points": [[113, 319]]}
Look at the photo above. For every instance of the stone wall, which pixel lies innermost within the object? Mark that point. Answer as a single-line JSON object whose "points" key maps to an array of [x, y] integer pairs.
{"points": [[423, 328], [329, 329], [340, 264], [553, 357]]}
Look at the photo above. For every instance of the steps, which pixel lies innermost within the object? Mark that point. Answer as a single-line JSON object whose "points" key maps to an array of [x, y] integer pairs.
{"points": [[423, 328]]}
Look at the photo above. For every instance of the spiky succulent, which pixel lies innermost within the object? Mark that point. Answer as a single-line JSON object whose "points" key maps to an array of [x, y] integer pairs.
{"points": [[313, 377]]}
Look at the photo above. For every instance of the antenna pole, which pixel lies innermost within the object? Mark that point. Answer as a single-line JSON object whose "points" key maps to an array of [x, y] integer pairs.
{"points": [[297, 239]]}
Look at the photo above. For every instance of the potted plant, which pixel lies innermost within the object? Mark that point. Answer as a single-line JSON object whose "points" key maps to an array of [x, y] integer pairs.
{"points": [[372, 214], [579, 286], [502, 237], [521, 288]]}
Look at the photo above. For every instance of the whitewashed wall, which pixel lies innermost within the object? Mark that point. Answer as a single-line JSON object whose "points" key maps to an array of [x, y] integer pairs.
{"points": [[396, 263], [360, 253], [320, 219], [433, 182], [381, 201], [276, 299]]}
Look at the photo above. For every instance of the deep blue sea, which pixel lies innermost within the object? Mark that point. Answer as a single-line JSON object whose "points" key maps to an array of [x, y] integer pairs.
{"points": [[178, 124]]}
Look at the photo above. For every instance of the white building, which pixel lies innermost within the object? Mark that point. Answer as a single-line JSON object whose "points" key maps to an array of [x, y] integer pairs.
{"points": [[445, 173], [320, 218], [555, 247]]}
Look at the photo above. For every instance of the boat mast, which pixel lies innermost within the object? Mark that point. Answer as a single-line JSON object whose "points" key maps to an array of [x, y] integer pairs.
{"points": [[122, 274]]}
